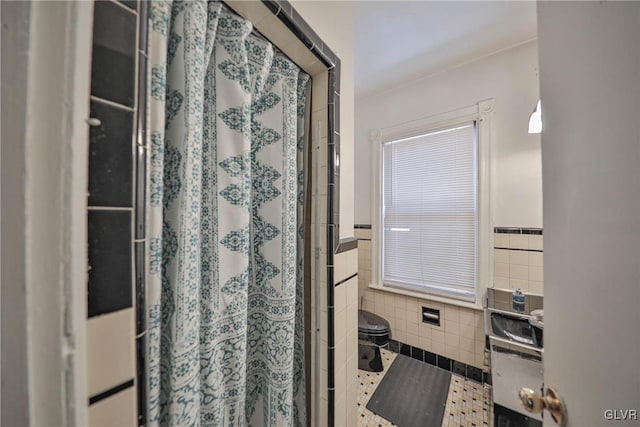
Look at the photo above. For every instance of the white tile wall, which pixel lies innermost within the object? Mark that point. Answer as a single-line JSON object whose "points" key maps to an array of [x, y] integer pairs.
{"points": [[118, 410], [345, 265], [346, 349], [110, 350], [518, 268], [457, 323], [404, 314]]}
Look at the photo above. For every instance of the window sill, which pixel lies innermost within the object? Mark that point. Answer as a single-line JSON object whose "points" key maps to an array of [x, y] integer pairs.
{"points": [[428, 297]]}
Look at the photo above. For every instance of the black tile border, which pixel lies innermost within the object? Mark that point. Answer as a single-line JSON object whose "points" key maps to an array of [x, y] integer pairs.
{"points": [[507, 230], [111, 160], [108, 393], [331, 321], [362, 226], [131, 15], [514, 249], [504, 416], [469, 372], [114, 294], [331, 397], [301, 29], [536, 231], [443, 362], [486, 378], [458, 368], [417, 353], [141, 370], [430, 358], [475, 374], [346, 280], [517, 230], [404, 349]]}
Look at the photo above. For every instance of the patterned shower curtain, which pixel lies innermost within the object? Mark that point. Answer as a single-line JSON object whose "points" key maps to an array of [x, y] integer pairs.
{"points": [[225, 220]]}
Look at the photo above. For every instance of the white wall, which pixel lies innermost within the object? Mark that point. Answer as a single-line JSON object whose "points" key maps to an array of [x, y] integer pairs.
{"points": [[511, 78], [334, 23]]}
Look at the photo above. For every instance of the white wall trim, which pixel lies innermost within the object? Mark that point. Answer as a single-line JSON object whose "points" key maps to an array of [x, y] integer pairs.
{"points": [[486, 110], [15, 44], [54, 136], [483, 113], [420, 126], [426, 297]]}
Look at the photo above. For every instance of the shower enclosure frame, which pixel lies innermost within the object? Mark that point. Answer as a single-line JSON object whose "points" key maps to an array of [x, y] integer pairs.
{"points": [[284, 12]]}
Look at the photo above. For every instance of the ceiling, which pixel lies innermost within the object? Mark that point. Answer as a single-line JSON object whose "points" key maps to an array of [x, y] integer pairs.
{"points": [[400, 41]]}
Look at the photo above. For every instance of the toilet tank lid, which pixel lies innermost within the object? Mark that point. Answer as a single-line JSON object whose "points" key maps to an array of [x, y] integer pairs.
{"points": [[368, 321]]}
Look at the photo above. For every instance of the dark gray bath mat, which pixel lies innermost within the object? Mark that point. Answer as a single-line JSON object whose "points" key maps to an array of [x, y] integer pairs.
{"points": [[412, 394]]}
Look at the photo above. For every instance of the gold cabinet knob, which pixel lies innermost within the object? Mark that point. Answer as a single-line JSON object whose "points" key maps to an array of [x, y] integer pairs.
{"points": [[535, 403]]}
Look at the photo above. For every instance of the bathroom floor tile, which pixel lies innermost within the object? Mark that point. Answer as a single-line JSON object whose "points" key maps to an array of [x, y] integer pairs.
{"points": [[468, 403], [367, 384]]}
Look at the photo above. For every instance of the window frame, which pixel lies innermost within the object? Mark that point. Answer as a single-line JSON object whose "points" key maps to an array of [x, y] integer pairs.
{"points": [[481, 113]]}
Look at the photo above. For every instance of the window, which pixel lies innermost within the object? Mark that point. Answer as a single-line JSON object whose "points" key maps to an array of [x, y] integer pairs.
{"points": [[431, 213]]}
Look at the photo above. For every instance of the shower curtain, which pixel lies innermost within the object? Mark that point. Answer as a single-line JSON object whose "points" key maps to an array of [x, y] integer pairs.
{"points": [[225, 220]]}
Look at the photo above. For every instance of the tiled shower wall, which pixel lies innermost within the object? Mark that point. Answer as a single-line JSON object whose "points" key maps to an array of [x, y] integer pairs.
{"points": [[460, 335], [517, 259], [346, 337], [318, 238], [111, 327], [345, 298]]}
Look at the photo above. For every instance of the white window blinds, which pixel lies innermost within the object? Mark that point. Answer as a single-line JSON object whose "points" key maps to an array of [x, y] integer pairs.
{"points": [[429, 212]]}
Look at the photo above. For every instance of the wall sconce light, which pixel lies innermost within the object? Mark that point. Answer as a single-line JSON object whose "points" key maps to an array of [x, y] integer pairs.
{"points": [[535, 121]]}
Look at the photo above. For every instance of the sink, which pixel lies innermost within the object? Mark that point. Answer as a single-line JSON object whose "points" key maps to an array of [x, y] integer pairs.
{"points": [[504, 323], [514, 328]]}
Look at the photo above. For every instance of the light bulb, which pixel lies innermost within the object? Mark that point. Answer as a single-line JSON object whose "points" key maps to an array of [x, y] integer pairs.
{"points": [[535, 121]]}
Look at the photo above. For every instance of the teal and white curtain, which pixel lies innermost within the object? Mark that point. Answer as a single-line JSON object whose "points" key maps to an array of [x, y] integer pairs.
{"points": [[225, 220]]}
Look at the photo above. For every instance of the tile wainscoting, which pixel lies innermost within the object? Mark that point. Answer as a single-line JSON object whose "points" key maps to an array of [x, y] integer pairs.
{"points": [[462, 369], [346, 337], [517, 259], [344, 366], [459, 337]]}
